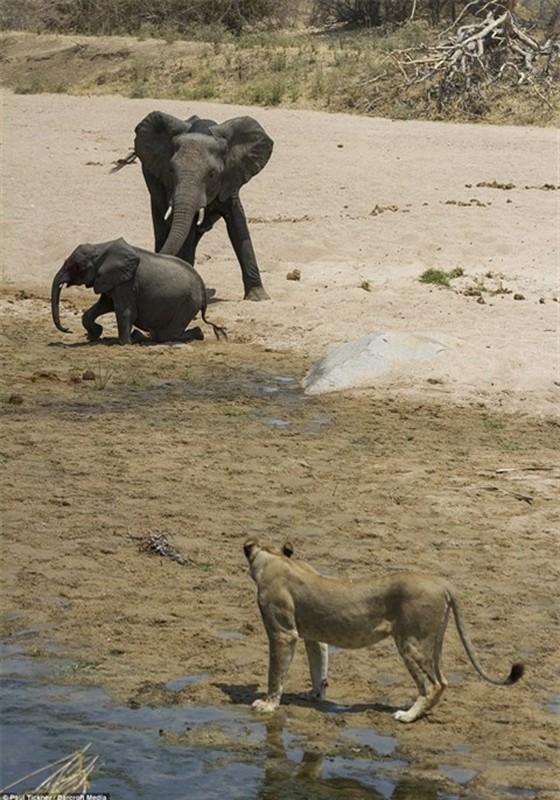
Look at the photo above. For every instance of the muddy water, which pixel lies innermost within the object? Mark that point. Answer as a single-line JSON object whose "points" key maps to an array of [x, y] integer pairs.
{"points": [[175, 752]]}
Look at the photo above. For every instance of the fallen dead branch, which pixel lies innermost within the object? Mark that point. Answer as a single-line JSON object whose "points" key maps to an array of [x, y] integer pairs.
{"points": [[472, 56], [159, 544], [502, 470], [527, 498]]}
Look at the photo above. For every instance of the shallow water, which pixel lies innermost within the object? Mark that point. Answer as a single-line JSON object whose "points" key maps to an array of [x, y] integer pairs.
{"points": [[146, 753], [553, 704]]}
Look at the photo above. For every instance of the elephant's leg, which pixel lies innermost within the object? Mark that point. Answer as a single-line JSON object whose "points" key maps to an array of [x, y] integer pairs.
{"points": [[238, 232], [124, 300], [124, 324], [103, 306], [159, 202], [187, 251]]}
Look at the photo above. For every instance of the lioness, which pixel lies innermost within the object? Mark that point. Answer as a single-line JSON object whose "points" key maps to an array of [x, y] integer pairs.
{"points": [[296, 601]]}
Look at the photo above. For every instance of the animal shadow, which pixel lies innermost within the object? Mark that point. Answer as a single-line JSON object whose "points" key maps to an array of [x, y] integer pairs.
{"points": [[139, 340], [244, 694], [240, 694]]}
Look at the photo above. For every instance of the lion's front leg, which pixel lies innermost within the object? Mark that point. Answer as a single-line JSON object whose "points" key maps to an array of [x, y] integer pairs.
{"points": [[318, 657], [282, 649]]}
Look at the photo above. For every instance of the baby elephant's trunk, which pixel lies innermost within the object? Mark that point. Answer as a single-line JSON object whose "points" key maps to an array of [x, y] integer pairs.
{"points": [[58, 281]]}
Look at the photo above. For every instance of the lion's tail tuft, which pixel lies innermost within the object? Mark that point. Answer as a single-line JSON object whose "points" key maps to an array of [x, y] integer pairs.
{"points": [[517, 669]]}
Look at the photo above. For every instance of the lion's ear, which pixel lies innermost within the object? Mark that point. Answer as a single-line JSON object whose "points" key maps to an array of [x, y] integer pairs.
{"points": [[249, 546], [287, 549]]}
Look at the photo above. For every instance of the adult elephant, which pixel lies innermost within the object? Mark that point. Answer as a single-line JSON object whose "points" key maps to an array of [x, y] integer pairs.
{"points": [[194, 170], [159, 294]]}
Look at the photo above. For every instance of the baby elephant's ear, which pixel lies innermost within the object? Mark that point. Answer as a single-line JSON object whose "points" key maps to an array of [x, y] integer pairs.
{"points": [[117, 264]]}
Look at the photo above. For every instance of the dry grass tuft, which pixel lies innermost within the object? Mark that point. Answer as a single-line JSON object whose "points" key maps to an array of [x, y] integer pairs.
{"points": [[71, 776]]}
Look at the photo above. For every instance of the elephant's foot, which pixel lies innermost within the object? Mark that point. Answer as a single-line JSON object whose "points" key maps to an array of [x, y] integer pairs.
{"points": [[256, 293], [137, 337], [191, 335], [194, 334], [93, 330]]}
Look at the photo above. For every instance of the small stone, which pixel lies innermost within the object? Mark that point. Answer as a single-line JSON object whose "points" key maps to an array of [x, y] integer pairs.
{"points": [[88, 375], [294, 275], [518, 296], [15, 399]]}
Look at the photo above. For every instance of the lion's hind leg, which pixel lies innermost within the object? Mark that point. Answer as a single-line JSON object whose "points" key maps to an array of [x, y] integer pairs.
{"points": [[422, 661], [318, 657]]}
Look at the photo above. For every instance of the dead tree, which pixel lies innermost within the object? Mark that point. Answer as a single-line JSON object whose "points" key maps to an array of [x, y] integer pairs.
{"points": [[471, 56]]}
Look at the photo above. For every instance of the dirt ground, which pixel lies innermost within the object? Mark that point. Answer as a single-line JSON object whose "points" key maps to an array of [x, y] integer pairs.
{"points": [[450, 466]]}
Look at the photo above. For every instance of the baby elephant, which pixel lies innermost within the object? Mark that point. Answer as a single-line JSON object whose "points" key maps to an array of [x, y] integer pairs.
{"points": [[159, 294]]}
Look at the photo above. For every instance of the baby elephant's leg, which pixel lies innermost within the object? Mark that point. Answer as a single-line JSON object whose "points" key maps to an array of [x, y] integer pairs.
{"points": [[318, 657], [172, 333], [103, 306]]}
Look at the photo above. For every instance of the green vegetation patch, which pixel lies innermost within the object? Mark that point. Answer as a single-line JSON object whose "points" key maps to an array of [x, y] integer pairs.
{"points": [[440, 277], [264, 52]]}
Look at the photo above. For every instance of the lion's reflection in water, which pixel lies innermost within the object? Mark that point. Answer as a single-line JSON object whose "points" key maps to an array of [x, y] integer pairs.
{"points": [[296, 773]]}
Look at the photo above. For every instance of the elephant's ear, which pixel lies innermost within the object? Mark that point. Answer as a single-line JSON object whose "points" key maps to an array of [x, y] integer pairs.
{"points": [[117, 264], [249, 148], [154, 139]]}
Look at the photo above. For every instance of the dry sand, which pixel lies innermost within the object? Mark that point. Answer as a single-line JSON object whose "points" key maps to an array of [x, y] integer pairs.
{"points": [[350, 202]]}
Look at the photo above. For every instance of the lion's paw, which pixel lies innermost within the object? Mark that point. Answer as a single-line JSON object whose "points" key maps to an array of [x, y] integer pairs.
{"points": [[264, 706], [318, 695], [404, 716]]}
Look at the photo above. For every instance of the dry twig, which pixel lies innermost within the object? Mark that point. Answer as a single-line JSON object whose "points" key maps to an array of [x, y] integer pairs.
{"points": [[159, 544]]}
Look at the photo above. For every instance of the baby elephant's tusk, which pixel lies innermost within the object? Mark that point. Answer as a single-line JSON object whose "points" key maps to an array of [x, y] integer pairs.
{"points": [[200, 217], [168, 212]]}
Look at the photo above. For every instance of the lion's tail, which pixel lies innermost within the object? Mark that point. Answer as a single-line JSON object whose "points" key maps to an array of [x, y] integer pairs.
{"points": [[517, 670]]}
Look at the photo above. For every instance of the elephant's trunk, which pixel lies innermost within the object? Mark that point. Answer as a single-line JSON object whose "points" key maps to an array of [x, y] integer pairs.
{"points": [[59, 280], [186, 206]]}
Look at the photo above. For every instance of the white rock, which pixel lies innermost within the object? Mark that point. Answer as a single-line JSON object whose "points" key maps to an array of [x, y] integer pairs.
{"points": [[360, 362]]}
